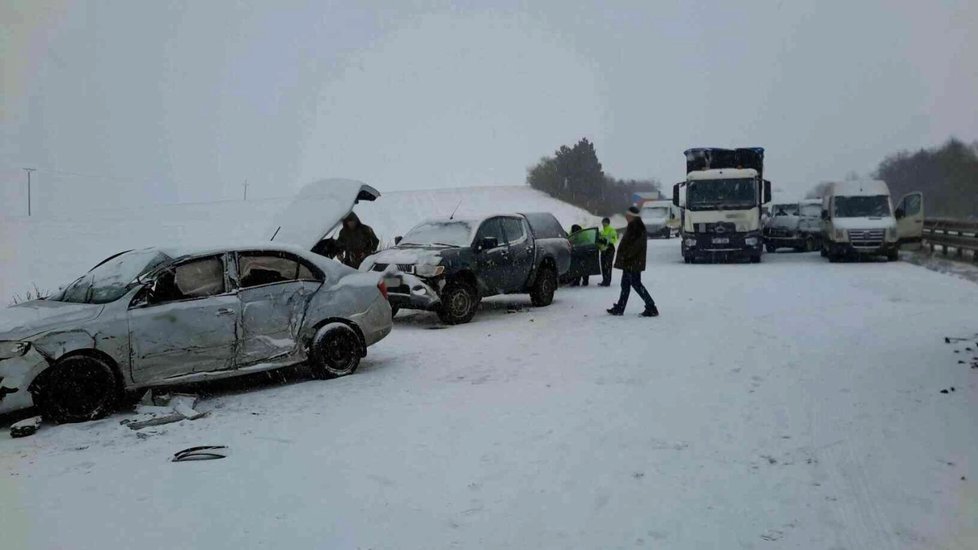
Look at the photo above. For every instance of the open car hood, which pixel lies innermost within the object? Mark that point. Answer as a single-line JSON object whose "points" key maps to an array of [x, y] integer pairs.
{"points": [[317, 209]]}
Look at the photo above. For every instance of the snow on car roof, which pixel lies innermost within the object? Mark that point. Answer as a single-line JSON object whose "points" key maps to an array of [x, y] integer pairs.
{"points": [[259, 246], [862, 188], [722, 173]]}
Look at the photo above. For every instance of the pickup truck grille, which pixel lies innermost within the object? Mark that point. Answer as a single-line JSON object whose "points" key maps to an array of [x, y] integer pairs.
{"points": [[403, 268], [868, 238]]}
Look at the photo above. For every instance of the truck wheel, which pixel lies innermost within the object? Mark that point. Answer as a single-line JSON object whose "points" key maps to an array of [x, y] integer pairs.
{"points": [[542, 293], [755, 259], [459, 302], [833, 258], [336, 351], [78, 388], [893, 256], [771, 248], [824, 252]]}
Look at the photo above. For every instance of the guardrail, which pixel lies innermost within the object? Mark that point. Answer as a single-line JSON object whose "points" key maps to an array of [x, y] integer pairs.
{"points": [[959, 235]]}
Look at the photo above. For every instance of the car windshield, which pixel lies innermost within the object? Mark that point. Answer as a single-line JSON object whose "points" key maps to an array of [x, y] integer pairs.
{"points": [[112, 278], [451, 233], [722, 193], [785, 210], [811, 210], [874, 206], [655, 212]]}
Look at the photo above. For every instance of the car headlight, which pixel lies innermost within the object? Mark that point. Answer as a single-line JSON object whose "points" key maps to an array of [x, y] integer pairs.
{"points": [[841, 235], [428, 270], [690, 242], [750, 241], [9, 350]]}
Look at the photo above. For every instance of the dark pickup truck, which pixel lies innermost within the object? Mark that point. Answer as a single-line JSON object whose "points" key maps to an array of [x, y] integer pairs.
{"points": [[448, 265]]}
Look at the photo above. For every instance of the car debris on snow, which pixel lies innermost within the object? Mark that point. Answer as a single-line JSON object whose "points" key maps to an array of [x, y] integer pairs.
{"points": [[205, 452], [156, 410], [26, 427]]}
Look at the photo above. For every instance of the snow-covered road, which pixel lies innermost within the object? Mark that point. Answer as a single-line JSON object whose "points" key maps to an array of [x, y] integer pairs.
{"points": [[792, 404]]}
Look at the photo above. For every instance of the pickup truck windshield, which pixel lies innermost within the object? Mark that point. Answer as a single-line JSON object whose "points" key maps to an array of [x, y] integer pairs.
{"points": [[811, 210], [722, 194], [453, 233], [110, 280], [875, 206]]}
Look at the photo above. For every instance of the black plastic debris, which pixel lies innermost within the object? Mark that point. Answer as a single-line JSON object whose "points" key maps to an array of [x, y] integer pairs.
{"points": [[944, 391], [205, 452], [26, 427]]}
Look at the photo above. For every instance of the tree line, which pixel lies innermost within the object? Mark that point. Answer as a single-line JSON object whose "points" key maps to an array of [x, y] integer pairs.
{"points": [[575, 175], [947, 176]]}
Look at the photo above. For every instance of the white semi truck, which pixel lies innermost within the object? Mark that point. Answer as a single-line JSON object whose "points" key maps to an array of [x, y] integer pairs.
{"points": [[721, 202]]}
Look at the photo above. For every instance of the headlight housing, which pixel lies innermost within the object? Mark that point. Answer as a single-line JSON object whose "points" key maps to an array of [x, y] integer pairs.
{"points": [[690, 242], [9, 350], [840, 235], [750, 241], [428, 270]]}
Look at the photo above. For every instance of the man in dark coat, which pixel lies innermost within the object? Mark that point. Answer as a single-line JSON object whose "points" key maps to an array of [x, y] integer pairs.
{"points": [[631, 261], [356, 241]]}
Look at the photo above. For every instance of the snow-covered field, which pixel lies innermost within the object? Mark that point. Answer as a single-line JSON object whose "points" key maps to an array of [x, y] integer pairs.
{"points": [[791, 404]]}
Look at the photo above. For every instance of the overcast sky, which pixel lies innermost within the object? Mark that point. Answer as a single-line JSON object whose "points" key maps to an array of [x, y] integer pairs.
{"points": [[182, 101]]}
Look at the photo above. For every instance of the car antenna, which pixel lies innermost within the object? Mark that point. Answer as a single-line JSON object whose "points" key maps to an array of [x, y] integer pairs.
{"points": [[452, 217], [279, 228]]}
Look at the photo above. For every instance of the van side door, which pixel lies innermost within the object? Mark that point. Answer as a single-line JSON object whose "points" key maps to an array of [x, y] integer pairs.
{"points": [[910, 218]]}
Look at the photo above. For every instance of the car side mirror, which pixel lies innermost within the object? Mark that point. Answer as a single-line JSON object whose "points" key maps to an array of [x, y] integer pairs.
{"points": [[767, 191], [675, 194], [488, 243], [900, 213], [398, 239]]}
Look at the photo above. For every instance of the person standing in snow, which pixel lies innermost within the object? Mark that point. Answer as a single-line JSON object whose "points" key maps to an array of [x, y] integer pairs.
{"points": [[356, 241], [607, 239], [631, 261], [584, 279]]}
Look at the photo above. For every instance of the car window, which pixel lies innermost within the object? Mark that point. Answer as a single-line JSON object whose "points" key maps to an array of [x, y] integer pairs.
{"points": [[257, 269], [513, 229], [189, 280], [491, 228], [911, 205], [586, 236]]}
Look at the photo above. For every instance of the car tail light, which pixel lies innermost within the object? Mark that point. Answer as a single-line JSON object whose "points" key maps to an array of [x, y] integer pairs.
{"points": [[382, 287]]}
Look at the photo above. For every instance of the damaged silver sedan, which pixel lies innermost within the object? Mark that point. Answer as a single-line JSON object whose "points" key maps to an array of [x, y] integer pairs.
{"points": [[161, 316]]}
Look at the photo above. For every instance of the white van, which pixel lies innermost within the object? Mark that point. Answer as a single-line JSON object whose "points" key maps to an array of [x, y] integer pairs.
{"points": [[858, 220], [661, 218]]}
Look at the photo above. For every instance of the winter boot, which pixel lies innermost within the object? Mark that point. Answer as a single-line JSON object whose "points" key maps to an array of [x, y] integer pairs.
{"points": [[616, 311], [651, 311]]}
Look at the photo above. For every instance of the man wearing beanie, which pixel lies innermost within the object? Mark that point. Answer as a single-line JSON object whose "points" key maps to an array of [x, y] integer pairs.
{"points": [[631, 261]]}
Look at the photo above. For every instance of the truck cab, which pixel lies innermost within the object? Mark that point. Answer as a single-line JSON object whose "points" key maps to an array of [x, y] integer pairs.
{"points": [[721, 202], [858, 221]]}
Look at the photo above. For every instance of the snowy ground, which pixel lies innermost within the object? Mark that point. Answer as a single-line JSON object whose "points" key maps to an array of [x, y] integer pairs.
{"points": [[792, 404]]}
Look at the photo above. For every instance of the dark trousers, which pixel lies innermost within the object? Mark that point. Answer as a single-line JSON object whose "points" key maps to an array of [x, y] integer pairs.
{"points": [[607, 260], [583, 281], [630, 280]]}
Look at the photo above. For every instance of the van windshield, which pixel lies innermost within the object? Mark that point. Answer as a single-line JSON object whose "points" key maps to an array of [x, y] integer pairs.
{"points": [[655, 212], [874, 206]]}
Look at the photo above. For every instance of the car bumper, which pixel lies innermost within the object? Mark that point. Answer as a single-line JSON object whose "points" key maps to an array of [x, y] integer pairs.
{"points": [[710, 245], [16, 375], [847, 249], [375, 322], [414, 293]]}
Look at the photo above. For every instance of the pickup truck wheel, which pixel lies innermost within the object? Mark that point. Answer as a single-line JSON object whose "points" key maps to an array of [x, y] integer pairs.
{"points": [[542, 293], [459, 302], [771, 248], [78, 388], [336, 351]]}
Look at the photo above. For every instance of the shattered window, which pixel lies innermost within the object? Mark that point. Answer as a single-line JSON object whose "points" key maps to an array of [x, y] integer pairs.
{"points": [[200, 278], [258, 270]]}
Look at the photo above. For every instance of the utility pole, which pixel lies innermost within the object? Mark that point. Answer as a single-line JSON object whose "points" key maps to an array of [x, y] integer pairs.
{"points": [[29, 170], [245, 184]]}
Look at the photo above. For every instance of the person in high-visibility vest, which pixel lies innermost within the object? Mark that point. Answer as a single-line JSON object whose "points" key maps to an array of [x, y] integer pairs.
{"points": [[607, 240]]}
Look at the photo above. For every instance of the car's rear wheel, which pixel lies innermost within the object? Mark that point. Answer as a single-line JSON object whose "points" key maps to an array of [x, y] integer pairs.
{"points": [[771, 248], [336, 351], [542, 293], [459, 302], [77, 389]]}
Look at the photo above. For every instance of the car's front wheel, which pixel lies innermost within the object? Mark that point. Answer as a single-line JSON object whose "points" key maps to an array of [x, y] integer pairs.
{"points": [[336, 351], [77, 389], [542, 293], [459, 302]]}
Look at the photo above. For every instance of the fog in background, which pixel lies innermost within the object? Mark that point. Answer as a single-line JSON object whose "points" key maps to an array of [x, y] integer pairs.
{"points": [[127, 102]]}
